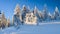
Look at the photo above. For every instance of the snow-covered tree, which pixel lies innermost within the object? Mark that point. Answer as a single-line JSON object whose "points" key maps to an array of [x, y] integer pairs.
{"points": [[3, 20], [8, 22], [40, 16], [16, 20], [56, 13], [24, 11], [16, 17], [3, 16], [36, 13], [17, 9], [49, 16], [45, 12], [24, 7], [35, 10]]}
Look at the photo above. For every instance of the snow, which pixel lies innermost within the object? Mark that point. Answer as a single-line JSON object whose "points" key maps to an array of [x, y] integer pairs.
{"points": [[56, 9], [32, 29]]}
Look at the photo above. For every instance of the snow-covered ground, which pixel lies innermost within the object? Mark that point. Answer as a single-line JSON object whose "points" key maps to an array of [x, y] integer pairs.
{"points": [[44, 23], [43, 28]]}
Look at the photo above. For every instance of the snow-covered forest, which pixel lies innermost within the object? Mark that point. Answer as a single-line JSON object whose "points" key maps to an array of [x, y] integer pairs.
{"points": [[32, 17], [41, 16]]}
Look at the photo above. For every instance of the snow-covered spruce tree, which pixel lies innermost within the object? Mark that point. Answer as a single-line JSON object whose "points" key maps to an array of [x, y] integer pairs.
{"points": [[8, 22], [45, 13], [35, 12], [3, 20], [40, 16], [56, 13], [49, 16], [52, 18], [24, 11], [16, 17]]}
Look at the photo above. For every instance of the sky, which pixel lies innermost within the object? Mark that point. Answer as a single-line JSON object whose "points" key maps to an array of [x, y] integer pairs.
{"points": [[8, 6]]}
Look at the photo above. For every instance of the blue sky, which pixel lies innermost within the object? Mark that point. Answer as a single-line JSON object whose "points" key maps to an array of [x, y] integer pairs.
{"points": [[7, 6]]}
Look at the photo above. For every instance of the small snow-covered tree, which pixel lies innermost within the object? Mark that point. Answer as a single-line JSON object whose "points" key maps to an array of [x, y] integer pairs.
{"points": [[49, 16], [35, 10]]}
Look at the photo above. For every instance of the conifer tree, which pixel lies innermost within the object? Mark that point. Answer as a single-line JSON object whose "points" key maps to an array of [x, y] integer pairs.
{"points": [[56, 13], [45, 12], [16, 17]]}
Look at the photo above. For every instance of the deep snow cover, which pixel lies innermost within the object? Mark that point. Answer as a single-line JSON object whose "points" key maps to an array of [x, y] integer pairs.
{"points": [[32, 29]]}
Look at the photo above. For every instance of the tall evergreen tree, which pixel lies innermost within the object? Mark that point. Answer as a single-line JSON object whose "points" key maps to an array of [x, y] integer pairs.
{"points": [[16, 17], [36, 13], [56, 13], [45, 12]]}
